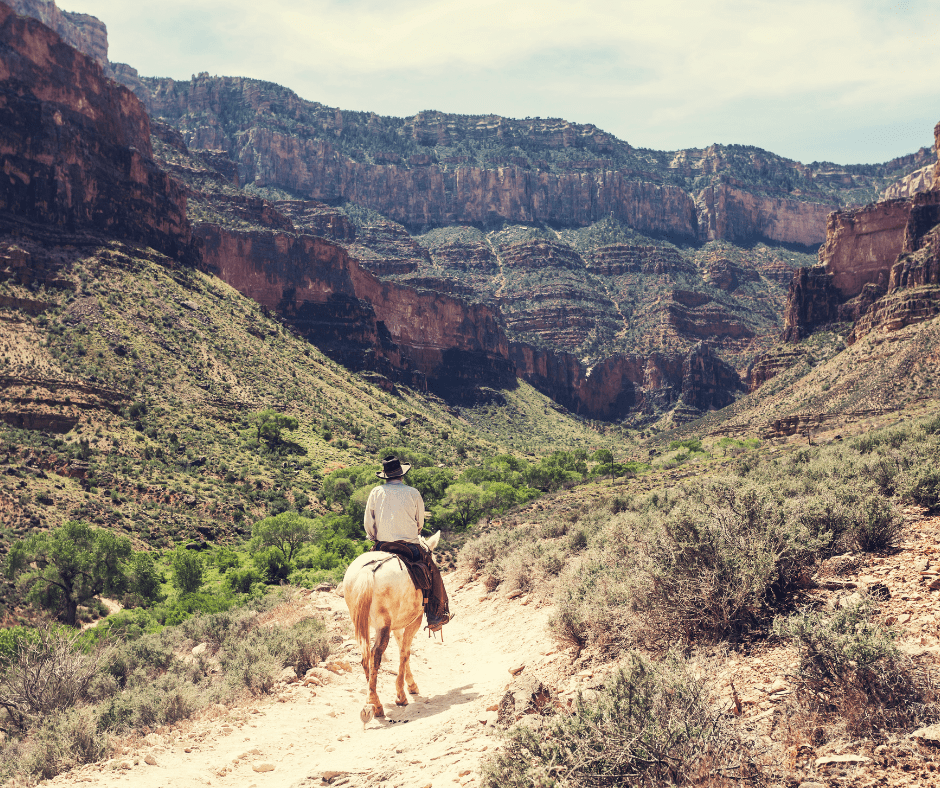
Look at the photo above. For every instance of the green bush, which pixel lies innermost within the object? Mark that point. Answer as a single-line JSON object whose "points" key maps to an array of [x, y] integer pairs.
{"points": [[272, 565], [652, 725], [187, 570], [240, 581]]}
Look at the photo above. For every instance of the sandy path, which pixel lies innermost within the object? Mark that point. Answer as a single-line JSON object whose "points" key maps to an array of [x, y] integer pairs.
{"points": [[306, 732]]}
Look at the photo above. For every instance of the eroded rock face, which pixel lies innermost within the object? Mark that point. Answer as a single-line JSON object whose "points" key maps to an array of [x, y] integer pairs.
{"points": [[75, 147], [414, 335], [861, 245], [736, 215], [86, 33], [881, 268]]}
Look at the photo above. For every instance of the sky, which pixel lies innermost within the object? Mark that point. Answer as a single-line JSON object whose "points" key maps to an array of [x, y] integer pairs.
{"points": [[847, 81]]}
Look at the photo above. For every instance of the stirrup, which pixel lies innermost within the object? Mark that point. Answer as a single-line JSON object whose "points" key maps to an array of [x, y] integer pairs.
{"points": [[436, 626]]}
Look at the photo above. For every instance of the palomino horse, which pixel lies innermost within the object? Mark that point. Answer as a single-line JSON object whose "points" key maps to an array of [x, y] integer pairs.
{"points": [[379, 593]]}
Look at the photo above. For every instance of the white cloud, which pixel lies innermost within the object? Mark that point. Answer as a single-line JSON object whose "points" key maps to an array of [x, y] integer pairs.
{"points": [[668, 74]]}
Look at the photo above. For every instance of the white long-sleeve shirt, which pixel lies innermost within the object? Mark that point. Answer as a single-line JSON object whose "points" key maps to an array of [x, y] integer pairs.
{"points": [[394, 513]]}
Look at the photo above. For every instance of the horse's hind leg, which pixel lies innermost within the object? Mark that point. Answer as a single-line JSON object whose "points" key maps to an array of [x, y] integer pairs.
{"points": [[404, 638], [381, 643]]}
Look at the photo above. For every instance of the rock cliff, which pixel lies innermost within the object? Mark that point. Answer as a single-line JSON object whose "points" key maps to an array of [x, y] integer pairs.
{"points": [[880, 270], [75, 147], [86, 33], [436, 169]]}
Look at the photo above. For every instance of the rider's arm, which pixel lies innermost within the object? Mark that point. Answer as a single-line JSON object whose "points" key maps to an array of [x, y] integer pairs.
{"points": [[368, 519], [419, 515]]}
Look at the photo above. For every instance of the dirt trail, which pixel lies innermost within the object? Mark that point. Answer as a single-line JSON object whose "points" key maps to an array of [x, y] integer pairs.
{"points": [[308, 732]]}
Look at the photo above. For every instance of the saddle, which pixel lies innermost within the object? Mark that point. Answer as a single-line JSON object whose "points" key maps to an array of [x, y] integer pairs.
{"points": [[418, 570]]}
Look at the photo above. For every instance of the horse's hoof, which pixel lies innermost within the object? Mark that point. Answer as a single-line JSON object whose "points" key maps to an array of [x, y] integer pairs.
{"points": [[401, 702], [379, 711], [413, 689]]}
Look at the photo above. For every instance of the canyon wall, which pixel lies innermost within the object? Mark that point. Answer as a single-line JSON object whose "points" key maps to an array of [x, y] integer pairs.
{"points": [[880, 269], [421, 337], [728, 213], [75, 147], [86, 33], [278, 139], [432, 196]]}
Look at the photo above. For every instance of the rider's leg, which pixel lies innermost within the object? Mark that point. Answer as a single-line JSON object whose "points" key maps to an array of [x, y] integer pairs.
{"points": [[438, 609]]}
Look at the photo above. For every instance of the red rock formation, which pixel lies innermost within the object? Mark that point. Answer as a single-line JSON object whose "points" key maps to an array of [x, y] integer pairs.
{"points": [[86, 33], [75, 147], [735, 215], [330, 298], [622, 385], [812, 302], [861, 245], [385, 248], [475, 257]]}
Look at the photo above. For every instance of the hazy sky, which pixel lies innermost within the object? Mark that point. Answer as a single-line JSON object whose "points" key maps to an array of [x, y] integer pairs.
{"points": [[850, 81]]}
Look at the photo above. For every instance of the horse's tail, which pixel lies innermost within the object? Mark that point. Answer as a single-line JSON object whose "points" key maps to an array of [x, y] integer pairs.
{"points": [[363, 589]]}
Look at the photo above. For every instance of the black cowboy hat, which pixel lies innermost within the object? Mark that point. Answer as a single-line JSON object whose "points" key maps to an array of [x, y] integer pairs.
{"points": [[392, 468]]}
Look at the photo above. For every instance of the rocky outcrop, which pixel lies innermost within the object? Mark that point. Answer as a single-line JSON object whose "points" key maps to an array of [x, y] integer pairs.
{"points": [[619, 259], [86, 33], [881, 268], [624, 385], [735, 215], [812, 302], [75, 147], [916, 182], [417, 336], [861, 245]]}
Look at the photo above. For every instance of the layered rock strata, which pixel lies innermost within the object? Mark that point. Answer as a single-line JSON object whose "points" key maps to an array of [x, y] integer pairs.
{"points": [[285, 142], [75, 147], [880, 269]]}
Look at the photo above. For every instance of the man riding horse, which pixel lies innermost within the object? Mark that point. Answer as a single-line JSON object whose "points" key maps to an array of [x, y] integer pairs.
{"points": [[394, 519]]}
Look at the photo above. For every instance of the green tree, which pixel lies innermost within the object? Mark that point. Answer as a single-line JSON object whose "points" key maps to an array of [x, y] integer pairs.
{"points": [[64, 568], [270, 425], [143, 578], [466, 503], [187, 571], [286, 532]]}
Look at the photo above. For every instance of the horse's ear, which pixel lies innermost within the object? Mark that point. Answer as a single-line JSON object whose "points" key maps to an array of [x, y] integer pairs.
{"points": [[432, 541]]}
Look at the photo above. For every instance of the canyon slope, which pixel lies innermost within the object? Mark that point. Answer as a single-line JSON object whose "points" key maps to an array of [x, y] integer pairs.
{"points": [[461, 253]]}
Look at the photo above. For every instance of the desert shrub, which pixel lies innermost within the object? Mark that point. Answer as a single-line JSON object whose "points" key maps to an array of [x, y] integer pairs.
{"points": [[650, 726], [46, 674], [851, 670], [162, 700], [252, 667], [217, 628], [921, 486], [716, 565], [147, 655], [484, 551], [516, 571], [67, 738], [303, 645], [878, 526]]}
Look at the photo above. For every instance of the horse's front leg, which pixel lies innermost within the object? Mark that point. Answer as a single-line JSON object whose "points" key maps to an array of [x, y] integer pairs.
{"points": [[381, 643]]}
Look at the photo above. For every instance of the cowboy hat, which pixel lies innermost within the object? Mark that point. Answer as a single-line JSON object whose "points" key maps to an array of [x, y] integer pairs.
{"points": [[392, 468]]}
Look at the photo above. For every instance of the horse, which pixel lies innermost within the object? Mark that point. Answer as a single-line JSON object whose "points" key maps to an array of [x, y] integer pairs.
{"points": [[380, 594]]}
